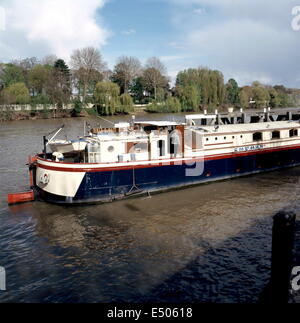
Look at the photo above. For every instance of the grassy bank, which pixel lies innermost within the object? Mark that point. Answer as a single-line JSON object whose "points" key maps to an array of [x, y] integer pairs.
{"points": [[36, 115]]}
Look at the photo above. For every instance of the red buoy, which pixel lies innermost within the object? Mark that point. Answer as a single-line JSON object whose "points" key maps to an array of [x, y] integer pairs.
{"points": [[20, 197]]}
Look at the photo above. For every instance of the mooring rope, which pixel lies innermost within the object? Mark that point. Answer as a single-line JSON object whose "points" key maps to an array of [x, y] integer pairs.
{"points": [[106, 120]]}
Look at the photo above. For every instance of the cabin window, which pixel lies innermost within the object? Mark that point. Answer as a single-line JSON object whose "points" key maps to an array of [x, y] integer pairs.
{"points": [[225, 138], [207, 139], [241, 136], [141, 147], [294, 133], [257, 136], [216, 138], [233, 137], [161, 148], [276, 135], [133, 147]]}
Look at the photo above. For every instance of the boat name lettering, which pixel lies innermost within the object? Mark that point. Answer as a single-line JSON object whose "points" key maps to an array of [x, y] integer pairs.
{"points": [[249, 148]]}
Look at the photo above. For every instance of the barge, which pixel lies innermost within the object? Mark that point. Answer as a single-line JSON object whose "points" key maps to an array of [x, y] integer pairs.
{"points": [[140, 158]]}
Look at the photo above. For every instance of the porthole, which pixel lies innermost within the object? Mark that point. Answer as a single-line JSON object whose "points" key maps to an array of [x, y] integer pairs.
{"points": [[216, 138], [111, 149], [207, 139]]}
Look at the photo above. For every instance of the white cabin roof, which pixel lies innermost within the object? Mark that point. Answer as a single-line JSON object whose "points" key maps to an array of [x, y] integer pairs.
{"points": [[249, 127], [158, 123], [200, 116]]}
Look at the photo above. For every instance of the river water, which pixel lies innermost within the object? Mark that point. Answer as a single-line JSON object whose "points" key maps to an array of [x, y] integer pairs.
{"points": [[210, 243]]}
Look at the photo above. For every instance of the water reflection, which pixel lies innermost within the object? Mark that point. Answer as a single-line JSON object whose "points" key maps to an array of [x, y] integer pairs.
{"points": [[203, 244]]}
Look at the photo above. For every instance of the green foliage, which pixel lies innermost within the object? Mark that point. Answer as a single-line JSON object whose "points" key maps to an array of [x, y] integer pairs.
{"points": [[38, 79], [45, 113], [28, 81], [286, 97], [232, 92], [106, 97], [156, 107], [261, 97], [189, 97], [137, 89], [92, 112], [40, 99], [78, 106], [16, 93], [60, 92], [244, 99], [274, 98], [61, 66], [173, 105], [206, 87], [11, 74], [126, 104]]}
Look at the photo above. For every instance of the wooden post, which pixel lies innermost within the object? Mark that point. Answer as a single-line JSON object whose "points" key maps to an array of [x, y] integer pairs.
{"points": [[282, 256]]}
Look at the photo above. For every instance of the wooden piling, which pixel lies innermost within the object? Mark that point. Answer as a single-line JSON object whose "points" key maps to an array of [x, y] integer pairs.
{"points": [[282, 256]]}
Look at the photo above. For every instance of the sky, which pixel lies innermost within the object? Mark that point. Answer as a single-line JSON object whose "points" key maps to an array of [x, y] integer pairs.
{"points": [[245, 39]]}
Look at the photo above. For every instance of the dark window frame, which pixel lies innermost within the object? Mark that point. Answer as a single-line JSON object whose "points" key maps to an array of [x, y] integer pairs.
{"points": [[294, 133], [257, 136], [276, 134]]}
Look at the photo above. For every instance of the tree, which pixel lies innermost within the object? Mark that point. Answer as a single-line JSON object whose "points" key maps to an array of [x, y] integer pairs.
{"points": [[60, 90], [232, 92], [16, 93], [11, 74], [274, 98], [173, 105], [244, 99], [137, 89], [156, 63], [188, 97], [106, 96], [88, 67], [126, 103], [49, 60], [261, 97], [154, 80], [283, 96], [38, 79], [208, 84], [246, 95], [125, 71], [27, 63]]}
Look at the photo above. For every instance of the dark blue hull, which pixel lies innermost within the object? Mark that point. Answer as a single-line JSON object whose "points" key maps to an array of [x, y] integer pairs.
{"points": [[111, 185]]}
